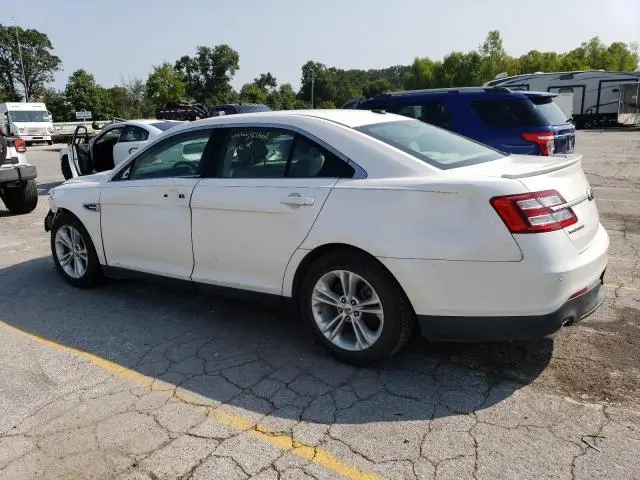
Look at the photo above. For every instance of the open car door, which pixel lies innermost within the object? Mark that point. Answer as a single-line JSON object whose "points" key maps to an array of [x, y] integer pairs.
{"points": [[81, 152]]}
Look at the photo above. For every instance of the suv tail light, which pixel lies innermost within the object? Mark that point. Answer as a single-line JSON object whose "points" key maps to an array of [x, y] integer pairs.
{"points": [[20, 145], [544, 140], [534, 212]]}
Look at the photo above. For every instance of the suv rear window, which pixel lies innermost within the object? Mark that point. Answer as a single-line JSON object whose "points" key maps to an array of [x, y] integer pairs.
{"points": [[551, 111], [508, 113], [432, 145]]}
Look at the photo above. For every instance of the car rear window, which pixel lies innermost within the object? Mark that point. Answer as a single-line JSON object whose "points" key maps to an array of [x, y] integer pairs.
{"points": [[508, 113], [551, 111], [435, 146], [164, 125]]}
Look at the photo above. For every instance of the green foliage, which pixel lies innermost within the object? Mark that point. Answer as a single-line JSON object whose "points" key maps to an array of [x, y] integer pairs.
{"points": [[208, 74], [40, 63], [165, 84]]}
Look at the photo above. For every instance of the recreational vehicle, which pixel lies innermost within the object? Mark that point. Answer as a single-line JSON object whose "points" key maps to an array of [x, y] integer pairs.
{"points": [[596, 93]]}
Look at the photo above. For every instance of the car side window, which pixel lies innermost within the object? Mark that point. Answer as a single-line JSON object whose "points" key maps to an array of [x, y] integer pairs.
{"points": [[309, 160], [177, 156], [134, 134], [433, 113], [255, 153], [112, 134]]}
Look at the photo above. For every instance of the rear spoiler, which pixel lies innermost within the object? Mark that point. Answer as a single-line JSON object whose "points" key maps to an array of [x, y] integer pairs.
{"points": [[569, 159]]}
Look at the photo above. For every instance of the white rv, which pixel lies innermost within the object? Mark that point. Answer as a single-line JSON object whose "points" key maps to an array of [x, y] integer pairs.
{"points": [[31, 122], [596, 93]]}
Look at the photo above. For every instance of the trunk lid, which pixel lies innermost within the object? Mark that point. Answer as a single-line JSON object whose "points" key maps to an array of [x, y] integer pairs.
{"points": [[562, 173]]}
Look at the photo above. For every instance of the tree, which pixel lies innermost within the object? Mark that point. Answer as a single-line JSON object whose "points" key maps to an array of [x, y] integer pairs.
{"points": [[252, 93], [316, 77], [494, 58], [282, 99], [83, 93], [421, 74], [209, 73], [377, 87], [57, 104], [39, 62], [165, 84], [266, 81]]}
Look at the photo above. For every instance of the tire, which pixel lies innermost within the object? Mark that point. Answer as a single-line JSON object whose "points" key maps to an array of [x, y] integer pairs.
{"points": [[68, 232], [3, 148], [66, 168], [50, 142], [372, 281], [28, 144], [22, 199]]}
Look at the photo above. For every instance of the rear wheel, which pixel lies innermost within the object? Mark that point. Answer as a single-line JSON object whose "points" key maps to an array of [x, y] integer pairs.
{"points": [[355, 307], [22, 199], [73, 252]]}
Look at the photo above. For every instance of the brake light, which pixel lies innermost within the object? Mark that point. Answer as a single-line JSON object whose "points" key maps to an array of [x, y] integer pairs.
{"points": [[544, 140], [534, 212], [20, 145]]}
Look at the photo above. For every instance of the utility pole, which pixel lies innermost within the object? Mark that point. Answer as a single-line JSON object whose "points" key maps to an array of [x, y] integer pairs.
{"points": [[313, 81], [24, 77]]}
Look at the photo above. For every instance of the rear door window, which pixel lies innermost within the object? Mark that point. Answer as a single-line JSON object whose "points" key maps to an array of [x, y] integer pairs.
{"points": [[508, 113], [433, 113], [550, 110]]}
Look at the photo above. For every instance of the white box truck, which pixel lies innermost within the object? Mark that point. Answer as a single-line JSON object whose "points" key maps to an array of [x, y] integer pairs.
{"points": [[31, 122]]}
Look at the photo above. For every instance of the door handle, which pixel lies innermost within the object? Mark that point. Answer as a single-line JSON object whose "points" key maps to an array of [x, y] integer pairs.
{"points": [[297, 200]]}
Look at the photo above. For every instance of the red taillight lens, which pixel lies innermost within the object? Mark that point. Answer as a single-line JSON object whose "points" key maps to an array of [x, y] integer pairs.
{"points": [[21, 147], [534, 212], [544, 140]]}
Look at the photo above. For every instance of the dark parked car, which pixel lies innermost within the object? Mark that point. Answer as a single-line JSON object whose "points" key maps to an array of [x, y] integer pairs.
{"points": [[520, 122]]}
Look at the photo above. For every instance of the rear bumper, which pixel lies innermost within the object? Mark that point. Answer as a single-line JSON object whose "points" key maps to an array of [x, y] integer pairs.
{"points": [[485, 329], [18, 173]]}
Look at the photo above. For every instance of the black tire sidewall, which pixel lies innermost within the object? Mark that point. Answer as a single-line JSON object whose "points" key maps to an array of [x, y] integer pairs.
{"points": [[93, 274], [397, 317], [22, 199]]}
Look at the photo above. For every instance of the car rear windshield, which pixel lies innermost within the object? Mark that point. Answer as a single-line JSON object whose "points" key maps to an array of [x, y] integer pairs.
{"points": [[433, 145], [550, 110], [509, 113], [252, 108], [164, 125]]}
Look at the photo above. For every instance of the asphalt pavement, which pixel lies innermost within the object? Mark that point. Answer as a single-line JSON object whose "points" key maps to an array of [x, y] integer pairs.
{"points": [[141, 381]]}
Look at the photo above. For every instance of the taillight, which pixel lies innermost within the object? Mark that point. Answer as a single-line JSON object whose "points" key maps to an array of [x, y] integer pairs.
{"points": [[544, 140], [534, 212], [20, 145]]}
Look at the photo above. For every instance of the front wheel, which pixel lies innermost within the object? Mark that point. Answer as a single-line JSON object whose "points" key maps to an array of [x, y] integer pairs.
{"points": [[74, 254], [355, 307]]}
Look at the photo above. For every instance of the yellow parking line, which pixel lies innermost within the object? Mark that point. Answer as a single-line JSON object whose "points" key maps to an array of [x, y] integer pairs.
{"points": [[279, 440], [621, 287]]}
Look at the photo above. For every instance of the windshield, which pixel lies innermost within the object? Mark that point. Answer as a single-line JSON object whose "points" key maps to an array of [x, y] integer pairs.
{"points": [[551, 111], [29, 116], [253, 108], [164, 126], [433, 145]]}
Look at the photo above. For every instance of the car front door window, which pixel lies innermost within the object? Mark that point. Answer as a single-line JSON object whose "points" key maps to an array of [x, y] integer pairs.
{"points": [[178, 156]]}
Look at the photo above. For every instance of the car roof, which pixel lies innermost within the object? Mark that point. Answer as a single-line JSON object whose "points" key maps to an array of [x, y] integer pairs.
{"points": [[446, 91], [348, 118]]}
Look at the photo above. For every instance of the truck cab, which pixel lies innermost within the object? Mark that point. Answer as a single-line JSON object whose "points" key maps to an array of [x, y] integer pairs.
{"points": [[31, 122]]}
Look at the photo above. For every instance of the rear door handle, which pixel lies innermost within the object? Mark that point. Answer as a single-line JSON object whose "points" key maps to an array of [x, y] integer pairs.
{"points": [[297, 199]]}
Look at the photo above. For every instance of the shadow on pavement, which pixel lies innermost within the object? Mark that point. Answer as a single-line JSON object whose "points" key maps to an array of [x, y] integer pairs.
{"points": [[259, 359]]}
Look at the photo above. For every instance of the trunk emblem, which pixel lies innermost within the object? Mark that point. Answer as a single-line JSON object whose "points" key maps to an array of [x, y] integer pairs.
{"points": [[590, 194]]}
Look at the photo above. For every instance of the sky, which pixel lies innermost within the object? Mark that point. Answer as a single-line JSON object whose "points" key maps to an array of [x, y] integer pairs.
{"points": [[119, 39]]}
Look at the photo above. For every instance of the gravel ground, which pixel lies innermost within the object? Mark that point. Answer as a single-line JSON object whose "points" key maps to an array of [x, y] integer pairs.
{"points": [[140, 381]]}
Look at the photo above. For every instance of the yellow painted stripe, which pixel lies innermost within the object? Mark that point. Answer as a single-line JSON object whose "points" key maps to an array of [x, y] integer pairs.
{"points": [[621, 287], [222, 415]]}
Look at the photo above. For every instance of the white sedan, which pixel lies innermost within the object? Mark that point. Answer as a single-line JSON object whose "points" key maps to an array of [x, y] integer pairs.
{"points": [[112, 145], [371, 222]]}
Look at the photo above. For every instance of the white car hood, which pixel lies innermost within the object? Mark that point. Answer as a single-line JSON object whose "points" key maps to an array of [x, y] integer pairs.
{"points": [[94, 178]]}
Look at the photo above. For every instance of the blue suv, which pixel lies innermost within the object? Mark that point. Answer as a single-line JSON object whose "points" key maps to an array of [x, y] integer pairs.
{"points": [[522, 122]]}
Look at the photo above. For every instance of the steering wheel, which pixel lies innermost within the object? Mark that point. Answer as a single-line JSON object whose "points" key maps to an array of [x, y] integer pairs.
{"points": [[192, 166]]}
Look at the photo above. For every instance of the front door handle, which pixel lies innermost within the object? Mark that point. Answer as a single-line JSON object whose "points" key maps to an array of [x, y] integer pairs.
{"points": [[297, 200]]}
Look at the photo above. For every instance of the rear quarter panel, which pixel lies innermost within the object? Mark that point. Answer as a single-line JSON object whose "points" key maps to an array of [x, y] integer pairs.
{"points": [[437, 221]]}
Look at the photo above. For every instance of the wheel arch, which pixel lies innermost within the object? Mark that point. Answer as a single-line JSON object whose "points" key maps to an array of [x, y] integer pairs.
{"points": [[96, 237], [308, 258]]}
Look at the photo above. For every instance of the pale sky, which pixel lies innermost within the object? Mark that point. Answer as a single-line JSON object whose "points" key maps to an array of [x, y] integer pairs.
{"points": [[117, 38]]}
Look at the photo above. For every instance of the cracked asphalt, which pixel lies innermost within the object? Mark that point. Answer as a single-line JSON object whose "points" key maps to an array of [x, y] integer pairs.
{"points": [[140, 381]]}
